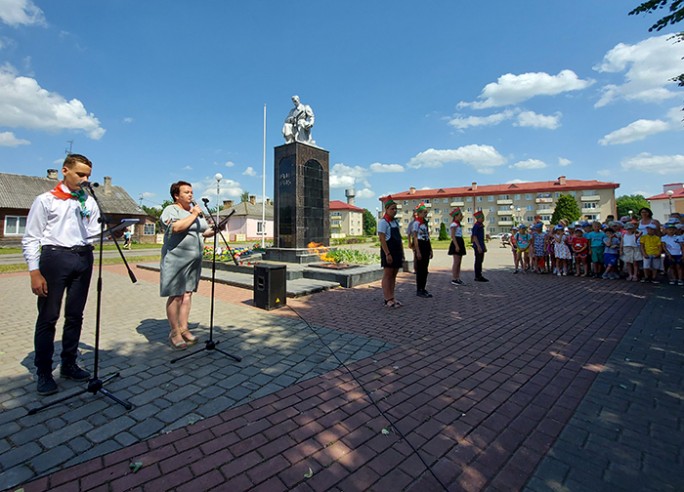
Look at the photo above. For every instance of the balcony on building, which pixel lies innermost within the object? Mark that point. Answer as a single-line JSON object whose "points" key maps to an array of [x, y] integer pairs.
{"points": [[545, 211], [457, 203], [504, 212], [504, 202], [543, 200], [590, 198], [505, 223]]}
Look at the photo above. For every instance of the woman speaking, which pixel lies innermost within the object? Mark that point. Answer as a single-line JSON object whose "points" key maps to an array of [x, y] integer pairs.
{"points": [[181, 260]]}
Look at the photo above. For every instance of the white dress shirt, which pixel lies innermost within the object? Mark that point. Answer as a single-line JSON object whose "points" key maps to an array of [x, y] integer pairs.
{"points": [[57, 222]]}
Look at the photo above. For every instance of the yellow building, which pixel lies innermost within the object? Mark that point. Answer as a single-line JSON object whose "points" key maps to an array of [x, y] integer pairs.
{"points": [[345, 219], [506, 205]]}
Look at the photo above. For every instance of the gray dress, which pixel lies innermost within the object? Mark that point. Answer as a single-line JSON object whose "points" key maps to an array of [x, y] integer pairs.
{"points": [[181, 260]]}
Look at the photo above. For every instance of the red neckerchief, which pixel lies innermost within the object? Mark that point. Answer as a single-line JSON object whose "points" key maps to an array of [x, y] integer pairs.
{"points": [[420, 220], [58, 192], [458, 223], [387, 218], [79, 195]]}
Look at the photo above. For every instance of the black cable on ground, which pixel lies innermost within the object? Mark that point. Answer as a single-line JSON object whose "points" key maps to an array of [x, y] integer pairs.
{"points": [[370, 397]]}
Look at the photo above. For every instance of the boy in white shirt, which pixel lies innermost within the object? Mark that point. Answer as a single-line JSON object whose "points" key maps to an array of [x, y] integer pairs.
{"points": [[59, 254], [672, 245]]}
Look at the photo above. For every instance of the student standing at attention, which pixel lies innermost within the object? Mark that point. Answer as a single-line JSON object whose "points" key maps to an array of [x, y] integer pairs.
{"points": [[422, 249], [391, 252], [478, 239], [457, 246], [60, 259]]}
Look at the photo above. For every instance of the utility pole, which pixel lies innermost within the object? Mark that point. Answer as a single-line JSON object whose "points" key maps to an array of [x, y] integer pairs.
{"points": [[71, 147]]}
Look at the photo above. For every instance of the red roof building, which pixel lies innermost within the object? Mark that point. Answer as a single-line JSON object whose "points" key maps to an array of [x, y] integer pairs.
{"points": [[345, 219], [509, 204], [669, 201]]}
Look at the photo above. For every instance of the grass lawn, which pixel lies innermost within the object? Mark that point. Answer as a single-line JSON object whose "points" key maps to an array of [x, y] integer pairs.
{"points": [[132, 260], [107, 247]]}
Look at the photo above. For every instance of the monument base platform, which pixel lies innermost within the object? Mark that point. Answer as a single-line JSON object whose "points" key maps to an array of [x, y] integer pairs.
{"points": [[291, 255]]}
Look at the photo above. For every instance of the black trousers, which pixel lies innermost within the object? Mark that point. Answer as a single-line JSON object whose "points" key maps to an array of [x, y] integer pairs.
{"points": [[422, 265], [64, 271], [479, 259]]}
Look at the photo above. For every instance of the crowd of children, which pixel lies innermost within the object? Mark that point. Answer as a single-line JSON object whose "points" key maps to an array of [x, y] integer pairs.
{"points": [[636, 249]]}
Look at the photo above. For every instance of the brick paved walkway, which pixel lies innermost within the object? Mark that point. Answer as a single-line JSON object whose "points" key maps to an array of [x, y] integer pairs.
{"points": [[500, 386]]}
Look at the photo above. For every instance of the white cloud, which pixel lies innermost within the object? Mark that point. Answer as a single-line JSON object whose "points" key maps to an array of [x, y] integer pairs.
{"points": [[343, 176], [365, 193], [649, 66], [605, 172], [512, 89], [529, 164], [228, 189], [536, 120], [21, 13], [638, 130], [516, 181], [658, 164], [249, 171], [377, 167], [7, 139], [24, 104], [128, 120], [148, 194], [462, 123], [229, 164], [187, 168], [482, 158], [563, 162]]}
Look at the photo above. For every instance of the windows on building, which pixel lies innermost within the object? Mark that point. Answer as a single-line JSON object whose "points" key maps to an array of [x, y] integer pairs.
{"points": [[490, 198], [14, 225], [148, 230], [528, 196]]}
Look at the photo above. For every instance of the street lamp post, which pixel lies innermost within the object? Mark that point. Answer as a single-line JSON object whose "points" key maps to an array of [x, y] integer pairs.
{"points": [[218, 177], [669, 199]]}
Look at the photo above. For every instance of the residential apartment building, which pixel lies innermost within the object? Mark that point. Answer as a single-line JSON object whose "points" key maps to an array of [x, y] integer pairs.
{"points": [[669, 201], [506, 205], [345, 219]]}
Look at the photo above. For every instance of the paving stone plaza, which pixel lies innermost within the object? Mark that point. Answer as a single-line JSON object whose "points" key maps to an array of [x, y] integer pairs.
{"points": [[523, 383]]}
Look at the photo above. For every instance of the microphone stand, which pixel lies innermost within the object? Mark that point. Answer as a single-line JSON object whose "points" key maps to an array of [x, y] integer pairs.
{"points": [[95, 384], [210, 344], [225, 219]]}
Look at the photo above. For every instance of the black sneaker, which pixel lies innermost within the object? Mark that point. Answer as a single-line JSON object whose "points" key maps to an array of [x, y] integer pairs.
{"points": [[46, 385], [481, 279], [457, 282], [72, 371], [423, 293]]}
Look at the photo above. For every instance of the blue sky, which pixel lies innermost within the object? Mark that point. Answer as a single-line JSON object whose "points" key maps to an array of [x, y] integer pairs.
{"points": [[425, 94]]}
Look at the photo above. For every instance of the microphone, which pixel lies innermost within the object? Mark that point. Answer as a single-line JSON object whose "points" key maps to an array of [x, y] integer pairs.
{"points": [[194, 204], [205, 200], [88, 184]]}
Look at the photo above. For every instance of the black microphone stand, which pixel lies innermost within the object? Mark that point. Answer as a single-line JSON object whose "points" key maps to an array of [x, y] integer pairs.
{"points": [[210, 344], [95, 384]]}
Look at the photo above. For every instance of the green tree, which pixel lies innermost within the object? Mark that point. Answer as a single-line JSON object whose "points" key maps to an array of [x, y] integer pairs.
{"points": [[369, 223], [443, 236], [566, 208], [676, 14], [625, 203], [244, 197]]}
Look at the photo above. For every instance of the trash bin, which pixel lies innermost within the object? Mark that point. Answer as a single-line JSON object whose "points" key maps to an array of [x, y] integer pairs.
{"points": [[269, 286]]}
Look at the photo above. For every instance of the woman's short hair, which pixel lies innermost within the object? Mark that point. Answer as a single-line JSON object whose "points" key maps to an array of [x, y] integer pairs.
{"points": [[175, 188]]}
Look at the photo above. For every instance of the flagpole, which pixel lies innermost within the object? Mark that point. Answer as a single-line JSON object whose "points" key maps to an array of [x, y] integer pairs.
{"points": [[263, 188]]}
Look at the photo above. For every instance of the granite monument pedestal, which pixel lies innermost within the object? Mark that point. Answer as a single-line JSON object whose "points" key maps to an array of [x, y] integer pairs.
{"points": [[302, 203]]}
